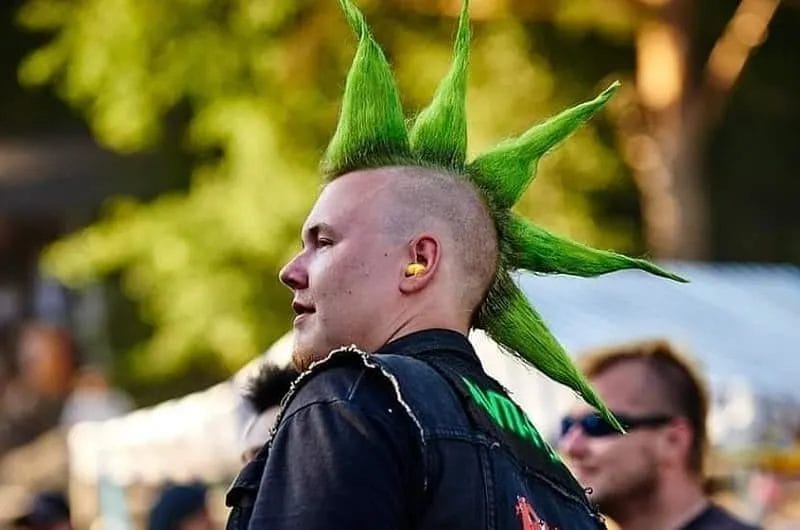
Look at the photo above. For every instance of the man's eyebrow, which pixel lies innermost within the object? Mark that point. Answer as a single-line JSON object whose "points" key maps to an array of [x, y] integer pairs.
{"points": [[313, 230]]}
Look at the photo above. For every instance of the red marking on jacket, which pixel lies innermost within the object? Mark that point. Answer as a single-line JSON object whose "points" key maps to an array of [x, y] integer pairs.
{"points": [[528, 517]]}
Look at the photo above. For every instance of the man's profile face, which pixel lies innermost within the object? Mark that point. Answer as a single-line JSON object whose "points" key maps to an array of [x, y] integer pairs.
{"points": [[345, 279], [616, 467]]}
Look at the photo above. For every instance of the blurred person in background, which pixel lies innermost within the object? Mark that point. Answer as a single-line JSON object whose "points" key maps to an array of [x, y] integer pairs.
{"points": [[181, 507], [47, 358], [264, 393], [93, 398], [31, 402], [652, 477], [47, 511]]}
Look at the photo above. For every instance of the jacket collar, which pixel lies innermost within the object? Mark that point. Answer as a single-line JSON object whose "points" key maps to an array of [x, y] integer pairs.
{"points": [[431, 340]]}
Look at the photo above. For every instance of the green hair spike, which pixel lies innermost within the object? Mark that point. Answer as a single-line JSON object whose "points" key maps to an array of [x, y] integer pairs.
{"points": [[535, 249], [509, 319], [439, 133], [505, 171], [371, 125]]}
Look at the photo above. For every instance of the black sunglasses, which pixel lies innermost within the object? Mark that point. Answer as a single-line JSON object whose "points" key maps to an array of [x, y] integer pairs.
{"points": [[595, 426]]}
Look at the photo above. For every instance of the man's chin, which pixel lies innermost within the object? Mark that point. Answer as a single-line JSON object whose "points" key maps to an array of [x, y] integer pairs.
{"points": [[301, 360], [590, 482], [305, 354], [596, 492]]}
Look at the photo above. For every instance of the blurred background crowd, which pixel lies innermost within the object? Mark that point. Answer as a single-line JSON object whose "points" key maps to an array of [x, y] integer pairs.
{"points": [[157, 158]]}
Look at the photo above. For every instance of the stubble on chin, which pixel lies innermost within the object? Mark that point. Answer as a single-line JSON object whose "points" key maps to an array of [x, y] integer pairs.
{"points": [[301, 358], [637, 490], [304, 355]]}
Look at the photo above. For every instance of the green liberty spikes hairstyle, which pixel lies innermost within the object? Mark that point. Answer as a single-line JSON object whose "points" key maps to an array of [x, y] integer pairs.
{"points": [[439, 134], [372, 133], [371, 126]]}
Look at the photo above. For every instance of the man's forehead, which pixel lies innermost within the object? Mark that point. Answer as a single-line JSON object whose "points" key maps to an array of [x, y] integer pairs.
{"points": [[580, 408], [627, 386], [357, 184], [353, 195]]}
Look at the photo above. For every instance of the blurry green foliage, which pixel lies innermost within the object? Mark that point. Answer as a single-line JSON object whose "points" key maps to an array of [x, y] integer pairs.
{"points": [[262, 80]]}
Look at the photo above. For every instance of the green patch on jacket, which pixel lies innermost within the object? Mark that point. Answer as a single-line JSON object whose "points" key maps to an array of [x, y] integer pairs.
{"points": [[508, 416]]}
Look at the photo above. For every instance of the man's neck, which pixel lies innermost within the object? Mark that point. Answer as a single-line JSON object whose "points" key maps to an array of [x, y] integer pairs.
{"points": [[424, 320], [671, 507]]}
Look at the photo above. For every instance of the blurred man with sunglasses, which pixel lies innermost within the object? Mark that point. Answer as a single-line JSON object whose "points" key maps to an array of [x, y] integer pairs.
{"points": [[652, 477]]}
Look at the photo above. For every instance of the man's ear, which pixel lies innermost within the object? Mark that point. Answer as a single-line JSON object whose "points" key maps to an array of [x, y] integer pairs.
{"points": [[424, 257], [676, 442]]}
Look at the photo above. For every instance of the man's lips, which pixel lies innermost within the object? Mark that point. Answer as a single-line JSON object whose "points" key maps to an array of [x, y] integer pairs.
{"points": [[301, 310]]}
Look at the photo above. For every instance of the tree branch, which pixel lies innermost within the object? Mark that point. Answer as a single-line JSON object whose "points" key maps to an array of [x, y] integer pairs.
{"points": [[746, 30]]}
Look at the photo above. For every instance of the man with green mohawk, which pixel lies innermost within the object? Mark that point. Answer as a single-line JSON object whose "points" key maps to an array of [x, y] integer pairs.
{"points": [[394, 423]]}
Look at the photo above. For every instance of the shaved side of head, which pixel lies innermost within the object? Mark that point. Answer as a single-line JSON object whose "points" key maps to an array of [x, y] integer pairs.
{"points": [[421, 198]]}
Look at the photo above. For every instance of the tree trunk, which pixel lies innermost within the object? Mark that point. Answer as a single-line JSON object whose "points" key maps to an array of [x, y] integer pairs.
{"points": [[666, 157], [665, 139]]}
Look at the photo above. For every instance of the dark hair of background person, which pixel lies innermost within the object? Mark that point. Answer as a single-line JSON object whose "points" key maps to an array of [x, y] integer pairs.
{"points": [[175, 504], [267, 388], [47, 509]]}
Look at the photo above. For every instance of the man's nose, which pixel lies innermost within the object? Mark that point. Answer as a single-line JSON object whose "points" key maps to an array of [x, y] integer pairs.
{"points": [[294, 274], [573, 443]]}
